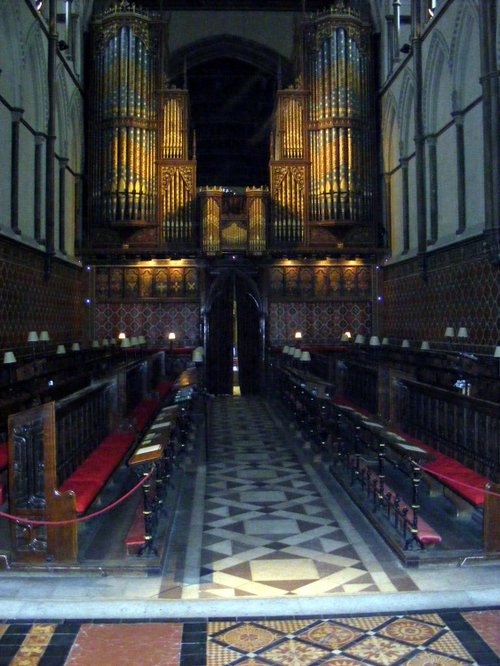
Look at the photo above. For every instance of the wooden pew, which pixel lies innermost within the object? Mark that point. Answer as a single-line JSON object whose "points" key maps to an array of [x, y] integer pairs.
{"points": [[61, 456]]}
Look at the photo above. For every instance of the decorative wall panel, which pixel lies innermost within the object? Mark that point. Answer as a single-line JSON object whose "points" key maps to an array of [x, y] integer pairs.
{"points": [[28, 302], [460, 291], [320, 323], [320, 282], [144, 283], [154, 320]]}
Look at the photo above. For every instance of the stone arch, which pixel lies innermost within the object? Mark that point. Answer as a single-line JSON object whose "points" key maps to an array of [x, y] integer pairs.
{"points": [[405, 115], [229, 46], [35, 80], [75, 131], [11, 32], [466, 32], [390, 133], [62, 113], [437, 83]]}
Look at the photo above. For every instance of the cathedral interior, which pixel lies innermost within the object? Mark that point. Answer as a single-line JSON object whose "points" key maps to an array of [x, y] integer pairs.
{"points": [[250, 330]]}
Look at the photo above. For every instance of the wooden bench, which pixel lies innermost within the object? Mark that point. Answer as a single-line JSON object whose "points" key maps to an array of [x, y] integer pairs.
{"points": [[4, 461], [89, 478], [426, 535], [444, 475]]}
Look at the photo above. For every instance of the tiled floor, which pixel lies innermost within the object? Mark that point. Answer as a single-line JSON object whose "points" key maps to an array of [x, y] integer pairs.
{"points": [[267, 564], [418, 639], [267, 525]]}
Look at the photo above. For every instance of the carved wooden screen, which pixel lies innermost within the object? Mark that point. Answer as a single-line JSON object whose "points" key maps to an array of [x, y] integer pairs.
{"points": [[32, 484]]}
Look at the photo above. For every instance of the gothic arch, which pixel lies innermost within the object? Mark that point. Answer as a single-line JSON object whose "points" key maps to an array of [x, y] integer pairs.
{"points": [[228, 46], [437, 84], [10, 30], [35, 80], [76, 131], [464, 45], [62, 113], [390, 133], [405, 115]]}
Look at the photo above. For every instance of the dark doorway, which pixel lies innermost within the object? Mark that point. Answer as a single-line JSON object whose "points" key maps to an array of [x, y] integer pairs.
{"points": [[233, 323]]}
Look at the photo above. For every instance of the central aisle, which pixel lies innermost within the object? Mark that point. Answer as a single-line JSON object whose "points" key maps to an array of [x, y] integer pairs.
{"points": [[264, 524]]}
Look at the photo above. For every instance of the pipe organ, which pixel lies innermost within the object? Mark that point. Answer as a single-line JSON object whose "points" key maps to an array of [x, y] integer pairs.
{"points": [[323, 186], [322, 152], [177, 170], [123, 131], [288, 169]]}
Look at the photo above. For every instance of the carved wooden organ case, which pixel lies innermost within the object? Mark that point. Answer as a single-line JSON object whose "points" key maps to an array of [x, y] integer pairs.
{"points": [[142, 171], [323, 147], [142, 158]]}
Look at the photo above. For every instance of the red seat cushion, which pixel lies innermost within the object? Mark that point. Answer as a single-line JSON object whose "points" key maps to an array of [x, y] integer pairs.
{"points": [[163, 388], [4, 457], [85, 492]]}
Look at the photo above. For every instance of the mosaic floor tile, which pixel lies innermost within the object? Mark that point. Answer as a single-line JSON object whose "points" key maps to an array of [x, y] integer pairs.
{"points": [[487, 625], [262, 505], [137, 643]]}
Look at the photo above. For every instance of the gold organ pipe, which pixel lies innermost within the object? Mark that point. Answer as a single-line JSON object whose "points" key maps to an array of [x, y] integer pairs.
{"points": [[333, 71], [320, 84], [326, 75], [287, 128]]}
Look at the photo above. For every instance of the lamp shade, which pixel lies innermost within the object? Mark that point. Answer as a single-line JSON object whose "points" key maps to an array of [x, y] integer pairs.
{"points": [[61, 349], [374, 341], [142, 340], [359, 339], [345, 337], [134, 341], [75, 346], [9, 357], [297, 353], [95, 344], [125, 343], [171, 335], [425, 345], [44, 336], [291, 351], [32, 336], [285, 349], [462, 332], [305, 356], [197, 356], [105, 342], [405, 344], [298, 335], [496, 354], [385, 341], [449, 332]]}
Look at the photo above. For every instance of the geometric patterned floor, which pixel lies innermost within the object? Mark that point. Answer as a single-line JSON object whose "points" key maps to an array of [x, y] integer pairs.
{"points": [[267, 529], [263, 525], [429, 639]]}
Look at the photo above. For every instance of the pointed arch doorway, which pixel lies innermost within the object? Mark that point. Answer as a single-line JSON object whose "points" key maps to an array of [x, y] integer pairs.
{"points": [[234, 327]]}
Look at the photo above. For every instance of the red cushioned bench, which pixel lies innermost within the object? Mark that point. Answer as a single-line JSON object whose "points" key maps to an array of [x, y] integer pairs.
{"points": [[4, 461], [453, 478], [426, 534], [4, 457], [164, 387], [90, 477], [142, 413]]}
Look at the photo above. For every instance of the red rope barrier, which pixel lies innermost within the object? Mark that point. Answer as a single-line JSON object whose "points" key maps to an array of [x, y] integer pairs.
{"points": [[460, 483], [28, 521]]}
